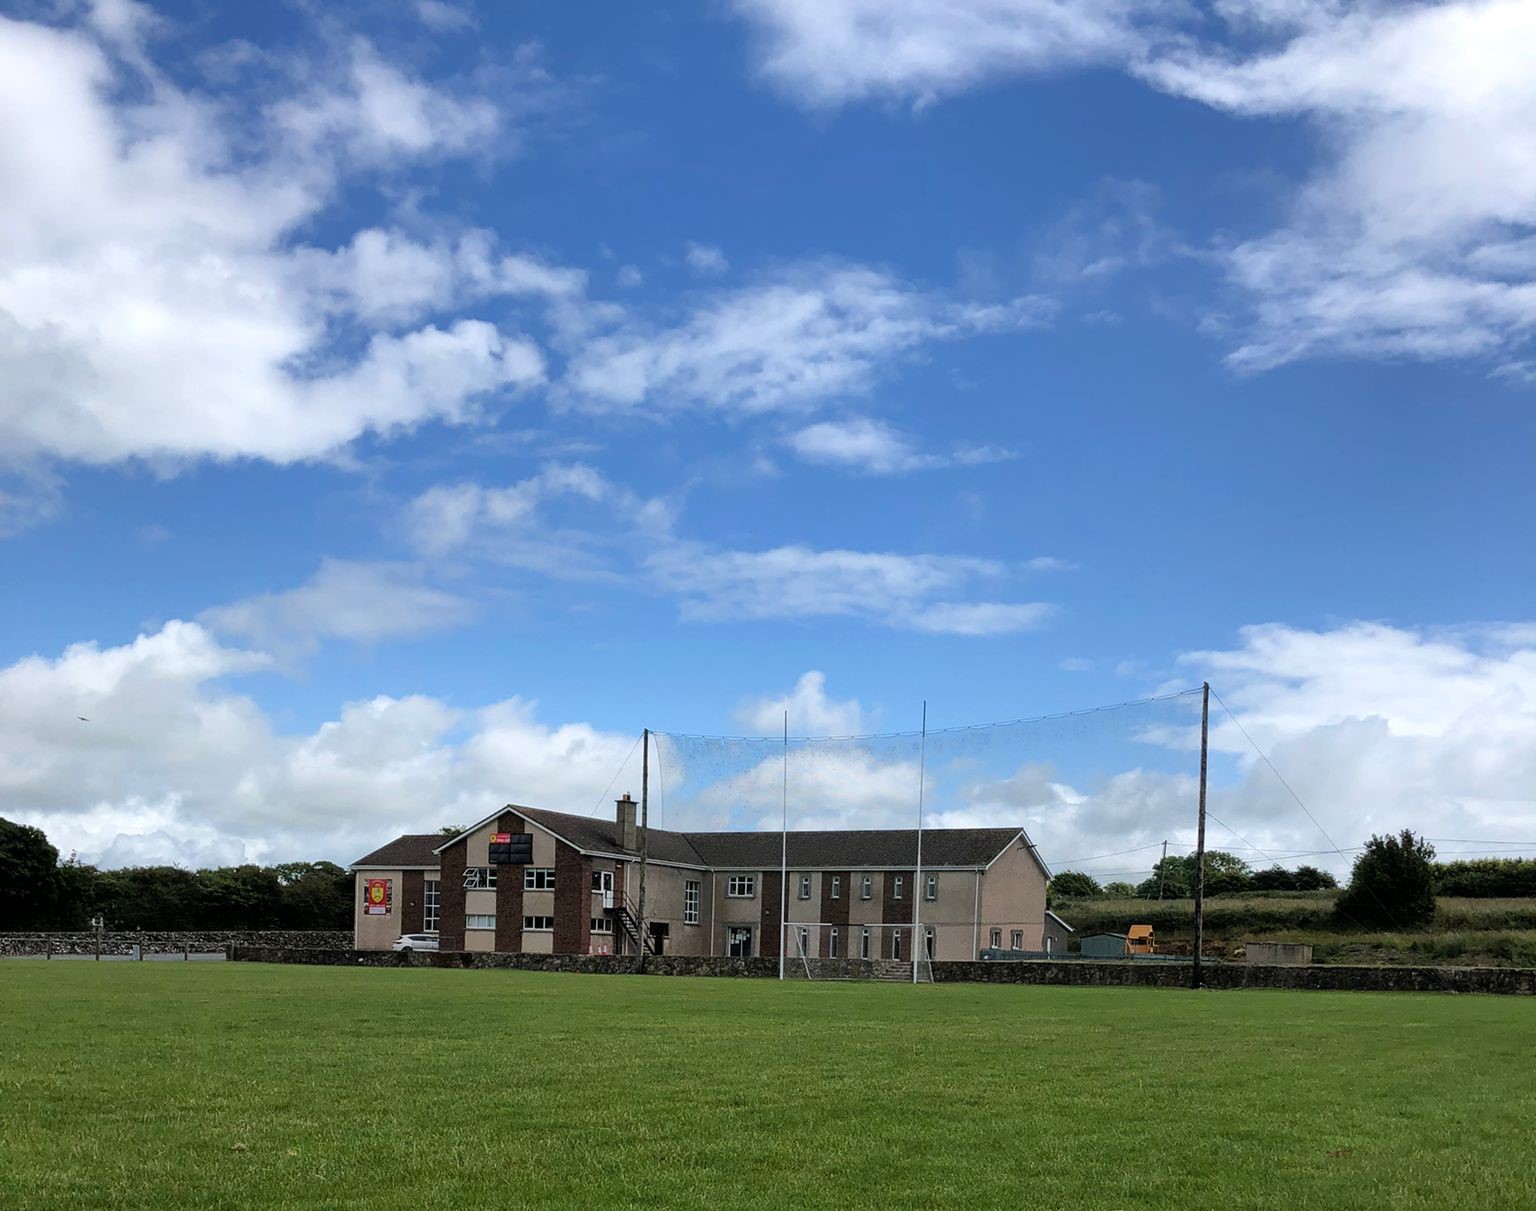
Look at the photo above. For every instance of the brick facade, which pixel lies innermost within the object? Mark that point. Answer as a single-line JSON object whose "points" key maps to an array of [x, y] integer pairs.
{"points": [[897, 912], [412, 906], [509, 894], [835, 911], [573, 901], [450, 897], [771, 914]]}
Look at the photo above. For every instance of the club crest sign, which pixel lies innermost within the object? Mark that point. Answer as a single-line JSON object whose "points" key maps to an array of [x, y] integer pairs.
{"points": [[376, 897]]}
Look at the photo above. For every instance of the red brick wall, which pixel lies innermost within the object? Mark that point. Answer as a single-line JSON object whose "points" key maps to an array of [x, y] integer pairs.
{"points": [[835, 912], [771, 917], [573, 901], [897, 912], [450, 899], [509, 895], [412, 910]]}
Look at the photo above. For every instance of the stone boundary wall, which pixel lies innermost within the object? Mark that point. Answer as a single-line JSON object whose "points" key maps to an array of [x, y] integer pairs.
{"points": [[1516, 981], [121, 942]]}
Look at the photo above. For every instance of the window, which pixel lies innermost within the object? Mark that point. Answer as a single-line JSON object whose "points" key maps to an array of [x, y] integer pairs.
{"points": [[1018, 939], [805, 941], [430, 900], [597, 880], [690, 903], [740, 887], [602, 924], [738, 941], [864, 942], [928, 944], [866, 887], [930, 887], [997, 939], [896, 944], [899, 886], [832, 945], [538, 924], [837, 887], [538, 878], [479, 878], [805, 887], [480, 920]]}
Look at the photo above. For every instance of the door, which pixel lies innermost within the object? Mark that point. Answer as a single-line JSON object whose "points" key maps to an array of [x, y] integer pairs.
{"points": [[605, 885], [738, 941], [928, 944]]}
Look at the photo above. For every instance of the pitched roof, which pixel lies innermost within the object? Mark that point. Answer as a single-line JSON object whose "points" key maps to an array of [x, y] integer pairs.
{"points": [[413, 849], [855, 847], [825, 849]]}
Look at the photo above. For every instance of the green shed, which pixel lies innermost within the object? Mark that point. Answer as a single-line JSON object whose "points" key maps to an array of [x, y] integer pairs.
{"points": [[1104, 946]]}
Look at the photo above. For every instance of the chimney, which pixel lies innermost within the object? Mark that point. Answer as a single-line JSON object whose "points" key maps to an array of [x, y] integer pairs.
{"points": [[626, 821]]}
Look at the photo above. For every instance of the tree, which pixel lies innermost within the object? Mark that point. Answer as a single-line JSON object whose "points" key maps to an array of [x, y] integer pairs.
{"points": [[1075, 885], [314, 895], [29, 881], [1119, 891], [1392, 883], [1309, 878], [1224, 874]]}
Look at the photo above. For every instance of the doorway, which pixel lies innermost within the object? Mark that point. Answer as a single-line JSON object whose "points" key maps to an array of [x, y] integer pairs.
{"points": [[738, 941]]}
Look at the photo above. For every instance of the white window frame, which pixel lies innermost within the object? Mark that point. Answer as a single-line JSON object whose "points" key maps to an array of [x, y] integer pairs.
{"points": [[837, 887], [864, 942], [691, 892], [1017, 939], [535, 927], [479, 878], [930, 887], [538, 878], [431, 904], [898, 887], [896, 945], [740, 887], [602, 924], [930, 942], [805, 887], [997, 939], [866, 887], [805, 942], [480, 920], [832, 943]]}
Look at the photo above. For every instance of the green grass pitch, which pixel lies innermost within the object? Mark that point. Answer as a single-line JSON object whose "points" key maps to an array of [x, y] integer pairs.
{"points": [[223, 1085]]}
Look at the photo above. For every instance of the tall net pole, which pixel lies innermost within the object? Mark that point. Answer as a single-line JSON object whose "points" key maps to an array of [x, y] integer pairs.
{"points": [[917, 890], [784, 858], [645, 835], [1197, 975]]}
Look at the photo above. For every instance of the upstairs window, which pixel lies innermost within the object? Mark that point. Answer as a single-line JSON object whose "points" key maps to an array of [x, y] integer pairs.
{"points": [[805, 887], [539, 924], [538, 878], [479, 878], [837, 887], [930, 887], [898, 887], [741, 887], [480, 920], [866, 887], [690, 903]]}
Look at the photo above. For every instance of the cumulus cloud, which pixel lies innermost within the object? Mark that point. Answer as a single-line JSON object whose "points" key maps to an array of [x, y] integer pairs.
{"points": [[811, 711], [705, 259], [157, 296], [1409, 238], [864, 444], [920, 50], [175, 764]]}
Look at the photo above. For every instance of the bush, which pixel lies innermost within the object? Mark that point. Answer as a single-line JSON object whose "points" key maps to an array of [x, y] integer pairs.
{"points": [[1392, 884], [1486, 878]]}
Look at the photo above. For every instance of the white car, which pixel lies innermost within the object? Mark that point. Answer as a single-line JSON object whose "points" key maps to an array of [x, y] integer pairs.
{"points": [[415, 941]]}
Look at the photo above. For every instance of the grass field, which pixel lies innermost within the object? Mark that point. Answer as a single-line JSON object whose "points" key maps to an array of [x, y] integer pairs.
{"points": [[234, 1085]]}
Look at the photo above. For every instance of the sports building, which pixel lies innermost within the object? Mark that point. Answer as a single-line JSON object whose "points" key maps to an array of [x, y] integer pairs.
{"points": [[525, 880]]}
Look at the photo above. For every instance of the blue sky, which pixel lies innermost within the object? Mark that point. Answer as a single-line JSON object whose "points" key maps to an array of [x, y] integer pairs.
{"points": [[405, 406]]}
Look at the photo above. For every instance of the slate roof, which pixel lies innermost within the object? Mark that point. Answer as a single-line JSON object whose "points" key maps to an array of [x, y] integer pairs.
{"points": [[829, 849], [413, 849]]}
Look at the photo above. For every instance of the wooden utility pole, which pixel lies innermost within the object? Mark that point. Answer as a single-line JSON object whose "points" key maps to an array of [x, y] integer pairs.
{"points": [[645, 834], [1205, 733], [1162, 871]]}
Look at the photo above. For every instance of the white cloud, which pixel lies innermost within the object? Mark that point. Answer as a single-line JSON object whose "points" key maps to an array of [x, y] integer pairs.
{"points": [[812, 332], [811, 711], [919, 50], [874, 447], [706, 260], [629, 276], [912, 592], [366, 602], [156, 297], [174, 765], [443, 17]]}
